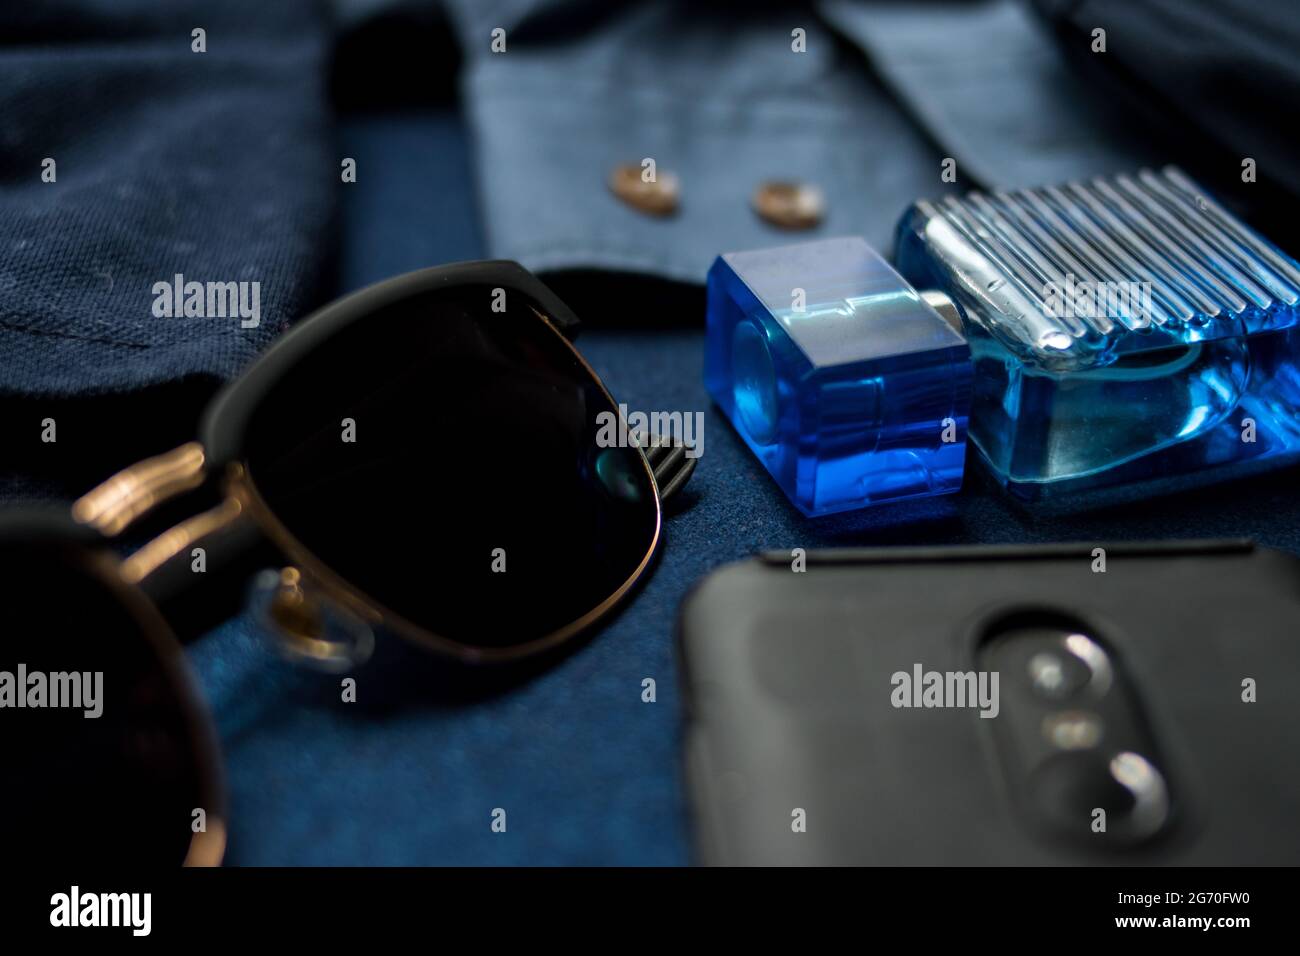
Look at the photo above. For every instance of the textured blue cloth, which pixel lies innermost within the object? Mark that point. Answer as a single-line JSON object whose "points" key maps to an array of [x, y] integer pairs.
{"points": [[213, 165]]}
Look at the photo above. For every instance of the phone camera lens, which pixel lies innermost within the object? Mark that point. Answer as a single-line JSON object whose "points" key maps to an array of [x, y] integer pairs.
{"points": [[1056, 675], [1072, 730]]}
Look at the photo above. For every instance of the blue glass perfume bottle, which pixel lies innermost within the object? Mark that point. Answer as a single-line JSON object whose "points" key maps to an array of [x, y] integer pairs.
{"points": [[839, 376], [1121, 331]]}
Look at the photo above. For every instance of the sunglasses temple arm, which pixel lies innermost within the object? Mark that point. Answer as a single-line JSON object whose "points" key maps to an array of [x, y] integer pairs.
{"points": [[198, 572]]}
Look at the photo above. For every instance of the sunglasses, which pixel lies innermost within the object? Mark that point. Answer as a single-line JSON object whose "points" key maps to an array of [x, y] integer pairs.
{"points": [[423, 458]]}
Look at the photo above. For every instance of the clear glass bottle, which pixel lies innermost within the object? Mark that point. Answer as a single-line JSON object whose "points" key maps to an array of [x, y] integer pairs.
{"points": [[1122, 330]]}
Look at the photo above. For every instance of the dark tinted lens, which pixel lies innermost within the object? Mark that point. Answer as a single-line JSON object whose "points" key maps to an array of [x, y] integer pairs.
{"points": [[118, 787], [475, 449]]}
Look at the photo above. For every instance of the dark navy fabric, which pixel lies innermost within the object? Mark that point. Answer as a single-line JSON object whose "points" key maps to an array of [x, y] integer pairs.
{"points": [[391, 224], [987, 83], [1224, 73], [217, 166]]}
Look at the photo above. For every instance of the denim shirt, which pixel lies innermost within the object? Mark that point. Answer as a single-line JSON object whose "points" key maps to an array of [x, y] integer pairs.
{"points": [[879, 96]]}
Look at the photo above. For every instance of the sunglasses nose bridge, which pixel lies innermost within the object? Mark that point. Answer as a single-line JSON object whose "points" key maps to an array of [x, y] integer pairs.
{"points": [[307, 624]]}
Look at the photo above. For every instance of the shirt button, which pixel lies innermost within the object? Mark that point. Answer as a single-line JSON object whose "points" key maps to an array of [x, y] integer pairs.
{"points": [[789, 205], [655, 198]]}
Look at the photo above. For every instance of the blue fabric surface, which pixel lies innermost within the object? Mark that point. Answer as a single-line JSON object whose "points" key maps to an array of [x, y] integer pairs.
{"points": [[413, 204], [217, 166]]}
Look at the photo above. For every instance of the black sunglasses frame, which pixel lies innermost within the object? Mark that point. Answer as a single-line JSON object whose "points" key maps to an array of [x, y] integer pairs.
{"points": [[243, 523]]}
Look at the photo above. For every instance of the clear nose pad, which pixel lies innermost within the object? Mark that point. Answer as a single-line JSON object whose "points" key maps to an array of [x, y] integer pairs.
{"points": [[306, 625]]}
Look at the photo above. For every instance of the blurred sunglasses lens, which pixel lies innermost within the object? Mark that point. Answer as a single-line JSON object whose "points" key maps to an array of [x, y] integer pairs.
{"points": [[442, 458], [108, 756]]}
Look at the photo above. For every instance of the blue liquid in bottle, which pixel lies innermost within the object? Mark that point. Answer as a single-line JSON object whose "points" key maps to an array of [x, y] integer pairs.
{"points": [[1123, 330]]}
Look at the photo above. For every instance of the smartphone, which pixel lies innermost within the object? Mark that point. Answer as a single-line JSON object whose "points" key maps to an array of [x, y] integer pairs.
{"points": [[1038, 705]]}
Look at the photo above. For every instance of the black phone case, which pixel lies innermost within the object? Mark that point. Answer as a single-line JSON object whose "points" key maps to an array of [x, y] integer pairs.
{"points": [[796, 754]]}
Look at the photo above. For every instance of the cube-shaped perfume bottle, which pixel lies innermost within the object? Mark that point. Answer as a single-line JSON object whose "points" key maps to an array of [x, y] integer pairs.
{"points": [[848, 385], [1124, 330]]}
